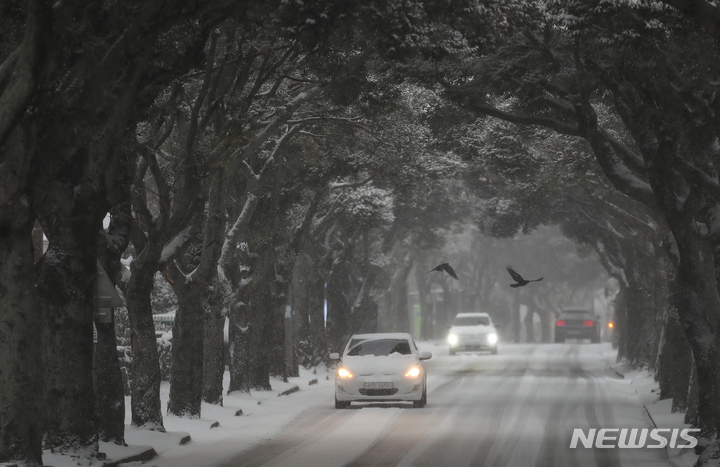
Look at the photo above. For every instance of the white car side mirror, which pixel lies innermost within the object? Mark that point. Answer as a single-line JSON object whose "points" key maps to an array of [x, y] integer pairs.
{"points": [[425, 355], [334, 356]]}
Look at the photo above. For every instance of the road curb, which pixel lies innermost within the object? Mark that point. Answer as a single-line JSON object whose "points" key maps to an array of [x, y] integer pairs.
{"points": [[652, 420]]}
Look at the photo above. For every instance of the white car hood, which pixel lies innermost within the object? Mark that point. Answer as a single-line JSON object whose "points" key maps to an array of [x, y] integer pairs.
{"points": [[472, 330], [371, 365]]}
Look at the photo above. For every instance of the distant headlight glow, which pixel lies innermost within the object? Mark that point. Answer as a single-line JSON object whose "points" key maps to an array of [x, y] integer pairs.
{"points": [[343, 373], [413, 373], [452, 339], [492, 338]]}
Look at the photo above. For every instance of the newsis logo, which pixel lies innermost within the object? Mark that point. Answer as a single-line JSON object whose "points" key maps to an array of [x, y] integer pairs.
{"points": [[635, 438]]}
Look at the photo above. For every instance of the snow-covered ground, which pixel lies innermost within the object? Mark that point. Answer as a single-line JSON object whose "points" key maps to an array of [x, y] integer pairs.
{"points": [[269, 415]]}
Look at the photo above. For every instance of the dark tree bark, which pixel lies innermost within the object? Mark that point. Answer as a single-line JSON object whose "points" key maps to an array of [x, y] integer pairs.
{"points": [[186, 373], [67, 286], [146, 410], [308, 295], [261, 338], [674, 364], [109, 386], [239, 348], [21, 340], [213, 357]]}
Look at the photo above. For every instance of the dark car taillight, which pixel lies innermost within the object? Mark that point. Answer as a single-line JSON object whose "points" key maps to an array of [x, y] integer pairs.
{"points": [[559, 323], [588, 323]]}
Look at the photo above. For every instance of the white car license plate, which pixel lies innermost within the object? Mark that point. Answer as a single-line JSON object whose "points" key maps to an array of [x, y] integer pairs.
{"points": [[378, 386]]}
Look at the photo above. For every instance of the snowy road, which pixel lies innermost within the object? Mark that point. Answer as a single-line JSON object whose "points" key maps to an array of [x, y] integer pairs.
{"points": [[517, 408]]}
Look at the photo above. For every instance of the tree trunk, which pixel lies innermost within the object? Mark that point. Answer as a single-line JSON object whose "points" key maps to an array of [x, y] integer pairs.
{"points": [[109, 386], [515, 319], [213, 357], [621, 322], [308, 297], [21, 341], [638, 346], [260, 336], [338, 306], [67, 289], [674, 364], [186, 373], [397, 296], [145, 403], [239, 347], [426, 302], [530, 324], [546, 325], [696, 300]]}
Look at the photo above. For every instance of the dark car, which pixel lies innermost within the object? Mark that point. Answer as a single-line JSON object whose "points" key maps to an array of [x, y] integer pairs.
{"points": [[577, 323]]}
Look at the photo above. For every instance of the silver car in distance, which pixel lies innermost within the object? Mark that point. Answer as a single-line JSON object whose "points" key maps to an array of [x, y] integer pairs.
{"points": [[380, 367]]}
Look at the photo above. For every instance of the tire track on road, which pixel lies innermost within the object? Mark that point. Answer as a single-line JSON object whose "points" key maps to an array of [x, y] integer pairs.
{"points": [[507, 387], [603, 457], [299, 432], [410, 427], [549, 452]]}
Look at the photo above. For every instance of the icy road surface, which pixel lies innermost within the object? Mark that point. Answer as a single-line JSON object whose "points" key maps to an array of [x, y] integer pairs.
{"points": [[518, 408]]}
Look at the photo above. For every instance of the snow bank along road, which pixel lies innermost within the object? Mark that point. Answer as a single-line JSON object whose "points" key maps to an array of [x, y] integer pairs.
{"points": [[518, 408]]}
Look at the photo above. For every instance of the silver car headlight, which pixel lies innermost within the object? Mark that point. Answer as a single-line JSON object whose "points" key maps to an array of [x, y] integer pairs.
{"points": [[492, 338], [452, 339]]}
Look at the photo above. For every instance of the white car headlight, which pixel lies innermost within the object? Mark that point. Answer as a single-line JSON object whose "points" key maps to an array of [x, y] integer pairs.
{"points": [[452, 339], [413, 372], [492, 338]]}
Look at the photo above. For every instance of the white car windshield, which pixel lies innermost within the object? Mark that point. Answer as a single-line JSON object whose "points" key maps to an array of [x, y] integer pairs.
{"points": [[380, 347], [471, 321]]}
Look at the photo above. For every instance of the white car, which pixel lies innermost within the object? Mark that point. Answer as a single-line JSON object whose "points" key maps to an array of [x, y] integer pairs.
{"points": [[380, 367], [472, 331]]}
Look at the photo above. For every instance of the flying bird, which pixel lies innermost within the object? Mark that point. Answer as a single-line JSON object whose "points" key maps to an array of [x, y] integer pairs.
{"points": [[445, 267], [519, 279]]}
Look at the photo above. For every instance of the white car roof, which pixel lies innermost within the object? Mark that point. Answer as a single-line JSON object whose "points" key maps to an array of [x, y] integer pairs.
{"points": [[383, 335], [463, 315]]}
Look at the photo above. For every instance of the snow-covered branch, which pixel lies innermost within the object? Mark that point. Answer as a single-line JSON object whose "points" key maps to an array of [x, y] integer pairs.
{"points": [[341, 185], [171, 249]]}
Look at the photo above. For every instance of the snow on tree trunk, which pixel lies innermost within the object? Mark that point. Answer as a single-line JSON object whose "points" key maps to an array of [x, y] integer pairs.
{"points": [[21, 341], [145, 403]]}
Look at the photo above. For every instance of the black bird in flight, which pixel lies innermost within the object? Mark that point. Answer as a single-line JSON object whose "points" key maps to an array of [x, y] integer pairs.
{"points": [[519, 279], [445, 267]]}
